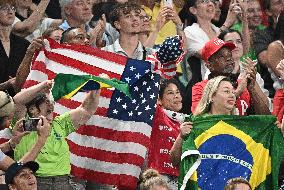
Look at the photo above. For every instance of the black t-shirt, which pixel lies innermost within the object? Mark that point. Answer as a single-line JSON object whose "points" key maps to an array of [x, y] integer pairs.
{"points": [[9, 65], [3, 187]]}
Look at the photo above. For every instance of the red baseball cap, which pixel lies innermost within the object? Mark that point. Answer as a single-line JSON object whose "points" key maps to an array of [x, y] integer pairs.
{"points": [[213, 46]]}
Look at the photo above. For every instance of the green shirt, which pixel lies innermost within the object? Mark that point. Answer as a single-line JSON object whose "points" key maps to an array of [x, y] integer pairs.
{"points": [[239, 27], [54, 157]]}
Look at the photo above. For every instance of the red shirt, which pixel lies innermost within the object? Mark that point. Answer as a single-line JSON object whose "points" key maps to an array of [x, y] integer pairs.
{"points": [[165, 131], [242, 103]]}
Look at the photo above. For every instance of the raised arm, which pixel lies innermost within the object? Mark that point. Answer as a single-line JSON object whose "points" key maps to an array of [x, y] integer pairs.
{"points": [[259, 100], [161, 21], [24, 69], [26, 95], [26, 27], [179, 25], [84, 112], [245, 31]]}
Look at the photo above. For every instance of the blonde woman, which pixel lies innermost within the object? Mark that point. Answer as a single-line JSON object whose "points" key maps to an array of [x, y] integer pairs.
{"points": [[238, 183], [152, 180], [218, 98]]}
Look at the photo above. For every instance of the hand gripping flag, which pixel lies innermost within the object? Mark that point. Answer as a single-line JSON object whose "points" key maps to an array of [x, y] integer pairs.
{"points": [[111, 147], [67, 85], [223, 147]]}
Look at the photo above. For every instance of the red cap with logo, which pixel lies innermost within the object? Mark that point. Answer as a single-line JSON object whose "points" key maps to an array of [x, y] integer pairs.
{"points": [[213, 46]]}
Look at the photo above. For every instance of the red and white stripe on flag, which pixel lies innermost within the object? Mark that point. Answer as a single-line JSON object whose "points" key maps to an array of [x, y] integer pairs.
{"points": [[105, 150]]}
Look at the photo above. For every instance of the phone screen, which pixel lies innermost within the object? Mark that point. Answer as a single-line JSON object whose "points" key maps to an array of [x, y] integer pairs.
{"points": [[168, 3], [30, 124]]}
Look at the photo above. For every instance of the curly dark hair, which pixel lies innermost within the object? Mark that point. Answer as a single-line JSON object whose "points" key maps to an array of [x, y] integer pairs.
{"points": [[165, 83], [122, 9]]}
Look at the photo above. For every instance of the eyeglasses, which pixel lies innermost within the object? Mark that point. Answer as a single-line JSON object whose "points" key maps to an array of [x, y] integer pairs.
{"points": [[7, 8], [145, 18], [8, 97]]}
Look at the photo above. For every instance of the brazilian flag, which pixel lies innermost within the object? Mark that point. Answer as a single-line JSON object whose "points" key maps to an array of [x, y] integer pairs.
{"points": [[67, 85], [223, 147]]}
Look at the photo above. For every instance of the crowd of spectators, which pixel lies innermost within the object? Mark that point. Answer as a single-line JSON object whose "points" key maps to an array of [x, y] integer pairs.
{"points": [[233, 65]]}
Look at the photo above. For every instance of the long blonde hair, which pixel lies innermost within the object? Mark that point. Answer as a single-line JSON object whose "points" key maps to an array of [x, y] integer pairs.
{"points": [[209, 91]]}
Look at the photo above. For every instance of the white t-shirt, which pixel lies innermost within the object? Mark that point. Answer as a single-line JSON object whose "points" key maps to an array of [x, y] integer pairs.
{"points": [[196, 39]]}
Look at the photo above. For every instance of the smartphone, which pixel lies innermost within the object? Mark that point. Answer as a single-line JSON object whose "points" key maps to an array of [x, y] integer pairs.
{"points": [[30, 124], [168, 3]]}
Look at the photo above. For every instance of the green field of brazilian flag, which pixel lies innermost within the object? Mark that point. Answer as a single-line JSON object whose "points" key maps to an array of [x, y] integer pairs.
{"points": [[223, 147]]}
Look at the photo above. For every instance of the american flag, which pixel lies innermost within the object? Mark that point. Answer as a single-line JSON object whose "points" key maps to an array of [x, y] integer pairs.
{"points": [[111, 147]]}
